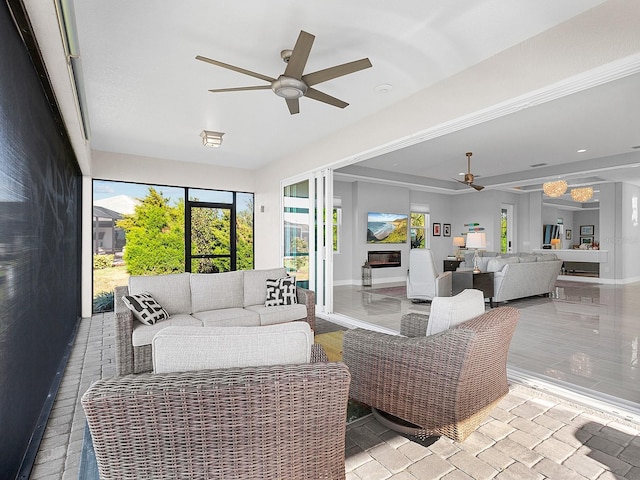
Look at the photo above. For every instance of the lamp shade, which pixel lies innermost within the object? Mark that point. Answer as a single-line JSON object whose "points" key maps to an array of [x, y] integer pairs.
{"points": [[458, 241], [476, 240]]}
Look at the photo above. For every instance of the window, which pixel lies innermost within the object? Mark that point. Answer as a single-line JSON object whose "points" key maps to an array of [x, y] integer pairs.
{"points": [[419, 222], [153, 229]]}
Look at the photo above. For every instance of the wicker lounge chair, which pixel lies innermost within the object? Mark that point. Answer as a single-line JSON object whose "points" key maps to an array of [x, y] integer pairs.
{"points": [[445, 384], [283, 421]]}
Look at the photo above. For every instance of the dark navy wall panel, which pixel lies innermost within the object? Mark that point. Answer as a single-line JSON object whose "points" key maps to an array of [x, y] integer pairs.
{"points": [[39, 246]]}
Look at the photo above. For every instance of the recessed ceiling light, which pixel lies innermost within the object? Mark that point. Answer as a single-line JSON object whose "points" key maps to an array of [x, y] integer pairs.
{"points": [[462, 173], [383, 88], [582, 150]]}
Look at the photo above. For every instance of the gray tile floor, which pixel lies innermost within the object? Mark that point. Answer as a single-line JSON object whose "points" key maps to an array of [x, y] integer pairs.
{"points": [[529, 435], [586, 334]]}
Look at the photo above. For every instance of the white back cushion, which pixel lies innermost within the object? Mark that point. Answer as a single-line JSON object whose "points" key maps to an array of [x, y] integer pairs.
{"points": [[213, 291], [447, 312], [255, 284], [181, 349], [171, 291]]}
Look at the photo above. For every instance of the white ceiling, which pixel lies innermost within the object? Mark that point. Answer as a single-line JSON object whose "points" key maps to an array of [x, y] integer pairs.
{"points": [[147, 95]]}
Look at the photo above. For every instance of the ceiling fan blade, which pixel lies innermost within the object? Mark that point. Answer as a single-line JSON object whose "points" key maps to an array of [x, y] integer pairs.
{"points": [[299, 56], [294, 105], [240, 89], [323, 97], [477, 187], [235, 69], [335, 72]]}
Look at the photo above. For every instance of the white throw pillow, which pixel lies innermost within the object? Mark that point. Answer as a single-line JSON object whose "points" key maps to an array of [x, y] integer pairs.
{"points": [[447, 312]]}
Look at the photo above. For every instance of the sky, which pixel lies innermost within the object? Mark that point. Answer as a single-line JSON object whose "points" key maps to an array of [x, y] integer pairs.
{"points": [[105, 189]]}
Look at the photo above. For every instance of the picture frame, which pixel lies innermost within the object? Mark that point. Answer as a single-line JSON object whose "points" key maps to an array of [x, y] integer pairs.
{"points": [[567, 234], [586, 240], [446, 229], [436, 229], [586, 230]]}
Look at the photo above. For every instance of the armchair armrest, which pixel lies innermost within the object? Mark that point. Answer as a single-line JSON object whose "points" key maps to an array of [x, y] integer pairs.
{"points": [[444, 284], [308, 298], [123, 324], [414, 325]]}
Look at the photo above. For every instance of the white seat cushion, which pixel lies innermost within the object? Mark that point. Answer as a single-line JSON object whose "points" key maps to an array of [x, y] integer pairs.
{"points": [[279, 313], [179, 349], [447, 312], [228, 317]]}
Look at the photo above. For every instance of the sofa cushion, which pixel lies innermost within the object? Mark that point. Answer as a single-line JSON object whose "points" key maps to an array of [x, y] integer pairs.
{"points": [[255, 284], [447, 312], [171, 291], [279, 313], [281, 291], [527, 257], [212, 291], [145, 308], [228, 317], [143, 334], [177, 349]]}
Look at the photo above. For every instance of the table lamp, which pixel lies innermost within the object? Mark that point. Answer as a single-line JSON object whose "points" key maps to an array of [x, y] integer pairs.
{"points": [[476, 240], [458, 242]]}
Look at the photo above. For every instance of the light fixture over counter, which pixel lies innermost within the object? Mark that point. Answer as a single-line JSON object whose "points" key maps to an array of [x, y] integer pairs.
{"points": [[211, 139], [554, 189], [582, 194]]}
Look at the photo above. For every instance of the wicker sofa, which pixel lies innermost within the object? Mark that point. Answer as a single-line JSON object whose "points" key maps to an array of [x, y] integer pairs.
{"points": [[445, 384], [197, 300], [243, 422]]}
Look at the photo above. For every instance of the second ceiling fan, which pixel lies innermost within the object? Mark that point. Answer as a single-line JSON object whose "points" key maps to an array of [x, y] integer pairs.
{"points": [[468, 177], [293, 83]]}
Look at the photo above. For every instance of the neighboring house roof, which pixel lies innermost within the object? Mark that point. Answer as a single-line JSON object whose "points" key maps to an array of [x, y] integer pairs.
{"points": [[123, 204], [102, 212]]}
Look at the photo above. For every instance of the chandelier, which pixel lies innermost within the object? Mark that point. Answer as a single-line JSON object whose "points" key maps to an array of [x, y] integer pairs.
{"points": [[555, 189], [582, 194]]}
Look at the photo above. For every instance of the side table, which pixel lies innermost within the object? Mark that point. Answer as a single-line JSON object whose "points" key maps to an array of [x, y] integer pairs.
{"points": [[478, 281], [450, 265]]}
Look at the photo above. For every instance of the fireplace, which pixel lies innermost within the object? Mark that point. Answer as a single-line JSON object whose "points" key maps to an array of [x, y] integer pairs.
{"points": [[384, 259]]}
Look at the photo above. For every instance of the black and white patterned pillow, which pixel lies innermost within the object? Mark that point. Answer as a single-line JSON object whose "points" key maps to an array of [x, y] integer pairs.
{"points": [[145, 308], [281, 291]]}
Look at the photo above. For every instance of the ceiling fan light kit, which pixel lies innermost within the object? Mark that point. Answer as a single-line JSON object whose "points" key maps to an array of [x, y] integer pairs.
{"points": [[293, 84], [211, 139], [554, 189]]}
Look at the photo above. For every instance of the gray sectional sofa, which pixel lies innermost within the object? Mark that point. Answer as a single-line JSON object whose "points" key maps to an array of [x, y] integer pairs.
{"points": [[518, 275], [200, 300]]}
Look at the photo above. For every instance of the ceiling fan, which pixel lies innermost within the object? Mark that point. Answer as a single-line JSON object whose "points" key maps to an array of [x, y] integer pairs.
{"points": [[292, 84], [468, 177]]}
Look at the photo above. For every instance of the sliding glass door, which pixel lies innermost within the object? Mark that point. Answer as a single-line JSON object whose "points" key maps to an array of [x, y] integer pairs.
{"points": [[308, 235]]}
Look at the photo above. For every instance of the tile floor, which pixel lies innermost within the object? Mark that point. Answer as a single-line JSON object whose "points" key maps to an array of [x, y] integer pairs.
{"points": [[585, 335], [530, 435]]}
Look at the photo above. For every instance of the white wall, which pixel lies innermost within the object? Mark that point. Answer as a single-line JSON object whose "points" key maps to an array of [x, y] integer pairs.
{"points": [[628, 243], [550, 216], [135, 168]]}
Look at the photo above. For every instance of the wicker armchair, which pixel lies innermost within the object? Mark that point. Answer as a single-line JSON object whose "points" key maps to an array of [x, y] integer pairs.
{"points": [[445, 384], [285, 421]]}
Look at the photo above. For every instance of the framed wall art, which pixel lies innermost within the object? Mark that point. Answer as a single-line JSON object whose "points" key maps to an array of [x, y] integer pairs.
{"points": [[436, 229], [586, 230], [446, 230], [567, 234]]}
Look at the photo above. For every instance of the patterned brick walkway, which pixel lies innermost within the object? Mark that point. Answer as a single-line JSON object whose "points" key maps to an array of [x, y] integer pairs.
{"points": [[530, 435]]}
